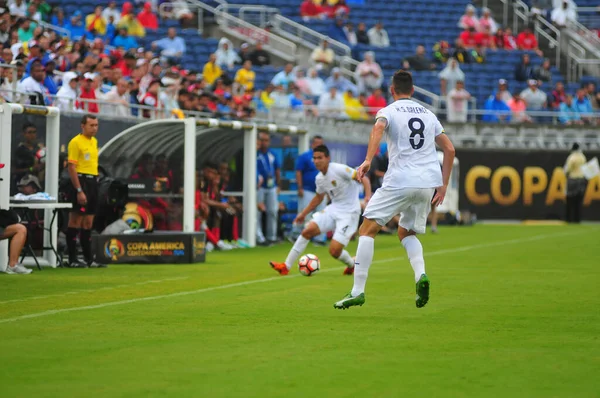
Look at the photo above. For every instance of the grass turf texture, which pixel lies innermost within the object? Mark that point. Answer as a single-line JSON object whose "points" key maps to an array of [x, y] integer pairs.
{"points": [[513, 312]]}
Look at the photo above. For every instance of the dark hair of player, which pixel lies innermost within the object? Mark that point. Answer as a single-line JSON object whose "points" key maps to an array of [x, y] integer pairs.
{"points": [[402, 82], [85, 119], [323, 149]]}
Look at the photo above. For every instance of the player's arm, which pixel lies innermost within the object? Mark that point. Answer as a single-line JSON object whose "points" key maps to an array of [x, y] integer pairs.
{"points": [[299, 183], [446, 146], [311, 206], [367, 186], [374, 142]]}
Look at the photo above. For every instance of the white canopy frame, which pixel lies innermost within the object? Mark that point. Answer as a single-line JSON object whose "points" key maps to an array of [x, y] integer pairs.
{"points": [[52, 115], [163, 133]]}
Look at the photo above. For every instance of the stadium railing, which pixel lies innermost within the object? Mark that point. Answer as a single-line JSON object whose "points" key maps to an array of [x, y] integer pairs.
{"points": [[589, 17], [312, 112], [240, 29], [62, 31]]}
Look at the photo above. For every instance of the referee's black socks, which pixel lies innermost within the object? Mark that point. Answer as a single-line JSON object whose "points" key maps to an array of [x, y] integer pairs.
{"points": [[72, 244], [85, 237]]}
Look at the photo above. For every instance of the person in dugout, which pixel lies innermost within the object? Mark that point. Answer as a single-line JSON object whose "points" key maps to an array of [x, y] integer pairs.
{"points": [[209, 204]]}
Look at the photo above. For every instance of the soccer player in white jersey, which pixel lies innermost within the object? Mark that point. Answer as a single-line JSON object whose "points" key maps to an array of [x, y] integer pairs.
{"points": [[341, 216], [412, 179]]}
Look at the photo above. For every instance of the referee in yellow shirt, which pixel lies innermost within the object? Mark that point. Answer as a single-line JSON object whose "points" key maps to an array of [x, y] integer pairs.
{"points": [[83, 170]]}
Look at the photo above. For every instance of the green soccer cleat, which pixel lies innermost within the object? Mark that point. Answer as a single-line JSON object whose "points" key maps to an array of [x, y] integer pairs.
{"points": [[422, 291], [349, 301]]}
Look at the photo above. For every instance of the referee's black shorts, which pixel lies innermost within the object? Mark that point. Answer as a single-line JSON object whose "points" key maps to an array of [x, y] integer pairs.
{"points": [[89, 186]]}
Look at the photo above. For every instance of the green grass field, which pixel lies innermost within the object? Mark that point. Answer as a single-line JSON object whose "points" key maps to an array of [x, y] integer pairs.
{"points": [[514, 312]]}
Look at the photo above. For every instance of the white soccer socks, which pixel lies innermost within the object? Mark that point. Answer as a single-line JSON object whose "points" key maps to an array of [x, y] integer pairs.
{"points": [[297, 250], [364, 258], [414, 250], [346, 258]]}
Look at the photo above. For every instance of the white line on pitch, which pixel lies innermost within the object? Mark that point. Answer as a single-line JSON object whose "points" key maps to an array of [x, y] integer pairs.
{"points": [[253, 282], [93, 290]]}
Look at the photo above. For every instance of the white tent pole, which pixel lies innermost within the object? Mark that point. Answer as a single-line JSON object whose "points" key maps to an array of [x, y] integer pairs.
{"points": [[5, 152], [189, 174], [250, 211], [52, 167], [303, 143]]}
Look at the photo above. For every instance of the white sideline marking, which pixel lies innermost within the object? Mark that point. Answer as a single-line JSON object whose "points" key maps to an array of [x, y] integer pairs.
{"points": [[246, 283], [485, 245], [93, 290]]}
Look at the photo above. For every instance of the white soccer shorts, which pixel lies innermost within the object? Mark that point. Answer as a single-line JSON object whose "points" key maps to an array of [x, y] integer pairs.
{"points": [[343, 225], [412, 204]]}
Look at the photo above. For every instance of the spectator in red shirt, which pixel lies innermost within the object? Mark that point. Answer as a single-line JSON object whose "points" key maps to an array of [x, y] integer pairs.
{"points": [[151, 97], [526, 41], [510, 43], [127, 64], [339, 10], [88, 92], [309, 9], [468, 38], [499, 39], [558, 95], [485, 39], [375, 102], [147, 18]]}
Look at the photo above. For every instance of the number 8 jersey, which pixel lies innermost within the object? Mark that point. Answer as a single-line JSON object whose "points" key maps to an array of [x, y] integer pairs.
{"points": [[410, 134]]}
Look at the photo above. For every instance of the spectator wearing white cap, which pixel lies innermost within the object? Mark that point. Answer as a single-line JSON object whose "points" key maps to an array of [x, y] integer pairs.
{"points": [[503, 90], [469, 19], [119, 96], [535, 98], [244, 53], [486, 21], [88, 92], [458, 103], [168, 96], [29, 185], [67, 94]]}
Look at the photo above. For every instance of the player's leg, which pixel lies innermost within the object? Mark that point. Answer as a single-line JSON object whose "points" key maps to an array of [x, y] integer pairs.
{"points": [[272, 205], [337, 251], [321, 222], [85, 234], [260, 200], [17, 233], [380, 209], [345, 227], [320, 239], [413, 220], [74, 225], [434, 220]]}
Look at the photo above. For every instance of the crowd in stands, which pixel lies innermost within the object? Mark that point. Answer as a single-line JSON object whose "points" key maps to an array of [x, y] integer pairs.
{"points": [[101, 69]]}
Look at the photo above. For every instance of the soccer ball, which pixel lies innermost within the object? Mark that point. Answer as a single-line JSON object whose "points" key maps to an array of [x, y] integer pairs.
{"points": [[309, 264]]}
